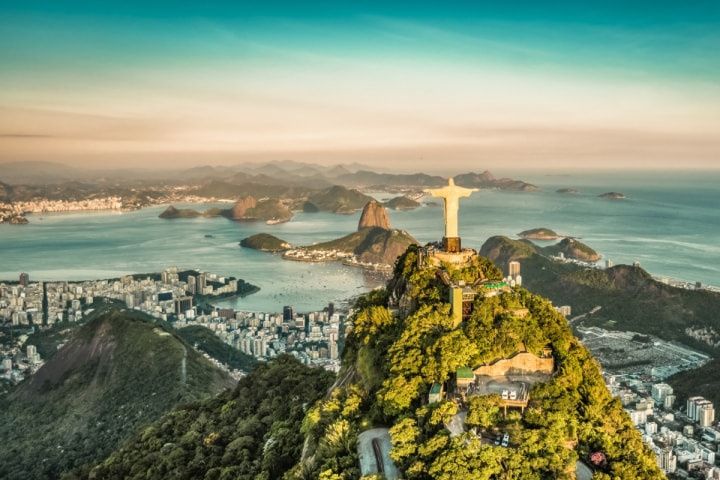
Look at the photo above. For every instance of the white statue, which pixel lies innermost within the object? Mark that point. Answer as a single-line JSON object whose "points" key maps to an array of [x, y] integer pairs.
{"points": [[452, 195]]}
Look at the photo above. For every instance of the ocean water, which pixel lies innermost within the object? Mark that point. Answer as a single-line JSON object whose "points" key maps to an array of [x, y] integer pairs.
{"points": [[670, 223]]}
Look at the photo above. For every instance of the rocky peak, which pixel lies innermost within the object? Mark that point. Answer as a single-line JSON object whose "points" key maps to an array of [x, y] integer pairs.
{"points": [[374, 215], [242, 206]]}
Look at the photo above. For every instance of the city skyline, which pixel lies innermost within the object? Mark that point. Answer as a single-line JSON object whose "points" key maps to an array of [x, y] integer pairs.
{"points": [[521, 86]]}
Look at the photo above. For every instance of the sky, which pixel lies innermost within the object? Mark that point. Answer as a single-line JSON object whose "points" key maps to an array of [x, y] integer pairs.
{"points": [[409, 85]]}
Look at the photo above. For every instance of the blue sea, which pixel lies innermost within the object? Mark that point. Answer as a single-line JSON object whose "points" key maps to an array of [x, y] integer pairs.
{"points": [[670, 223]]}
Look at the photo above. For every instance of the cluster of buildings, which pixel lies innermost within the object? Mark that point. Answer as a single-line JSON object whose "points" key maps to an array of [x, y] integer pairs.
{"points": [[347, 258], [686, 440], [313, 338], [43, 205], [18, 359], [9, 213]]}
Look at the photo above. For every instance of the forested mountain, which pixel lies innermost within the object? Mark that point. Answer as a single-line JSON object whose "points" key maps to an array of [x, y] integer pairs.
{"points": [[116, 373]]}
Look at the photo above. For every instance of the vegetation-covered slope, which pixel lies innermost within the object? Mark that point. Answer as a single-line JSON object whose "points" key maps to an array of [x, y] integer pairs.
{"points": [[630, 298], [393, 356], [336, 199], [703, 381], [249, 433], [118, 372], [204, 339], [374, 245]]}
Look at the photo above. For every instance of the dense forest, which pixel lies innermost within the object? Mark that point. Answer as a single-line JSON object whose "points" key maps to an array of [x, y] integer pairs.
{"points": [[116, 373], [630, 298], [393, 356], [251, 432]]}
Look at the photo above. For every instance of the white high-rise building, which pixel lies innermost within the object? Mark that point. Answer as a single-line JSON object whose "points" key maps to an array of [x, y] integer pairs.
{"points": [[660, 391], [666, 460]]}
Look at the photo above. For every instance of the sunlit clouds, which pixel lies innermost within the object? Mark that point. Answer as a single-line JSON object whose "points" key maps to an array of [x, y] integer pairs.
{"points": [[380, 91]]}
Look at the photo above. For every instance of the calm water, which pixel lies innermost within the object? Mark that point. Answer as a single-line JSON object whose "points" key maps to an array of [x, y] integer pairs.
{"points": [[670, 223]]}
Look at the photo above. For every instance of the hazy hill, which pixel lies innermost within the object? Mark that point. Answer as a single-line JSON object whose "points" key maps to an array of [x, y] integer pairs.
{"points": [[250, 432], [336, 199], [488, 180], [117, 372], [368, 178]]}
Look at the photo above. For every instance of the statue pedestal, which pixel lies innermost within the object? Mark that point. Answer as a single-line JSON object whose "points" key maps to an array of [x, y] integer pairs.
{"points": [[451, 244]]}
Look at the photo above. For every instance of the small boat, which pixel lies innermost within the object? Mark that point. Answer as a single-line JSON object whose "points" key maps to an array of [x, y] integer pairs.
{"points": [[207, 235]]}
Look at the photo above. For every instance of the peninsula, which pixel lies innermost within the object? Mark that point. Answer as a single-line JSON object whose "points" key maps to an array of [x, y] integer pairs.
{"points": [[375, 245]]}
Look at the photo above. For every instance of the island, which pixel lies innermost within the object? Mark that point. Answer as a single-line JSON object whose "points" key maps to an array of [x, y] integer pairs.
{"points": [[265, 243], [541, 233], [402, 203], [270, 210], [337, 199], [567, 191], [613, 196]]}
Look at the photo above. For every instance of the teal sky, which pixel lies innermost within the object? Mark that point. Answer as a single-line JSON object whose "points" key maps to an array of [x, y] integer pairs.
{"points": [[523, 83]]}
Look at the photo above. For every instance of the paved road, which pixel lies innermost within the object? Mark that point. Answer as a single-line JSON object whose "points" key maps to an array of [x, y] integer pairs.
{"points": [[368, 463]]}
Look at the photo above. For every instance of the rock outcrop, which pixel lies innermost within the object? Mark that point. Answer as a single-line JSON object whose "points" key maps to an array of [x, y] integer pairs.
{"points": [[374, 215], [239, 210]]}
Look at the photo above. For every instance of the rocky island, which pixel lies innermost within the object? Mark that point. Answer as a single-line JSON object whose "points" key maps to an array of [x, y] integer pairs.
{"points": [[567, 191], [265, 243], [613, 196], [541, 233]]}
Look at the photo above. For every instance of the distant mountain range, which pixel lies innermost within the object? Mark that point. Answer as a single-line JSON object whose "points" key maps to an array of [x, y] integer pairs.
{"points": [[301, 175]]}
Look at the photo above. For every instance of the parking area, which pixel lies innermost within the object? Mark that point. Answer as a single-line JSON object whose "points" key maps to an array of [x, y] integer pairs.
{"points": [[506, 388]]}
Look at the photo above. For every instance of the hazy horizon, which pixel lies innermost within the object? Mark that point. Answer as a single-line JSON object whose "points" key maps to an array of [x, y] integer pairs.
{"points": [[472, 85]]}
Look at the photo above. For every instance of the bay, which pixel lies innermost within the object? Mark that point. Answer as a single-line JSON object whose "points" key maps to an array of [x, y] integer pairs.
{"points": [[670, 223]]}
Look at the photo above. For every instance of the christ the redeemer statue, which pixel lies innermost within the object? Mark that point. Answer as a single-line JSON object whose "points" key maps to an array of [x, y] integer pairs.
{"points": [[452, 195]]}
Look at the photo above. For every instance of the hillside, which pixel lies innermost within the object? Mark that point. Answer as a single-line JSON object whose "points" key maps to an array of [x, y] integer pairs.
{"points": [[265, 242], [336, 199], [205, 340], [250, 432], [406, 339], [573, 248], [630, 298], [117, 372], [372, 245]]}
